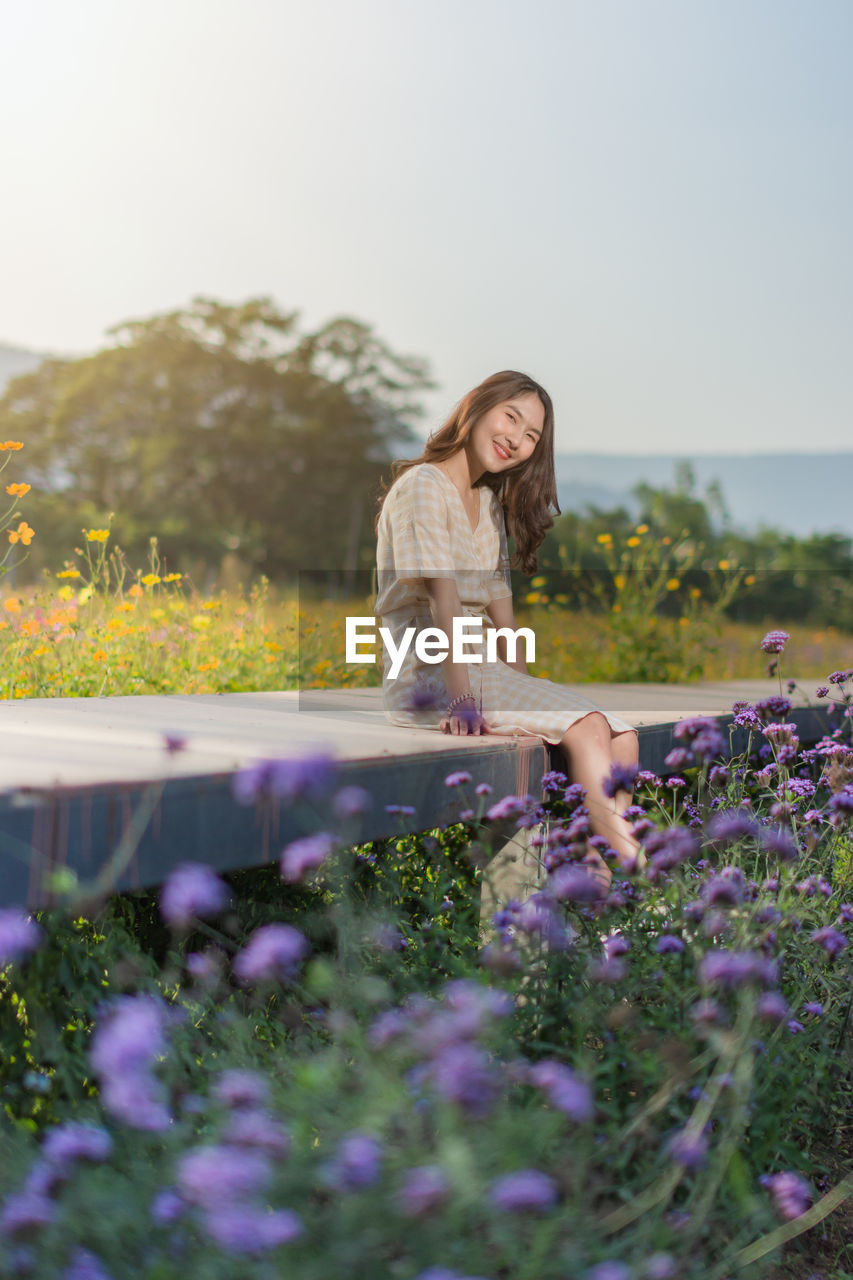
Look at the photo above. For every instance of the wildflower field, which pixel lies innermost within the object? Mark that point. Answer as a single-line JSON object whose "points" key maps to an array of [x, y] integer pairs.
{"points": [[333, 1067]]}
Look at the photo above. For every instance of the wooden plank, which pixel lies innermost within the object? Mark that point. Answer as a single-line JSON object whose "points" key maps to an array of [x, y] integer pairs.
{"points": [[76, 774]]}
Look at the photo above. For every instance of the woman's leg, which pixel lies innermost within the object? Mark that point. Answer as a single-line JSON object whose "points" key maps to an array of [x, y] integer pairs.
{"points": [[590, 749]]}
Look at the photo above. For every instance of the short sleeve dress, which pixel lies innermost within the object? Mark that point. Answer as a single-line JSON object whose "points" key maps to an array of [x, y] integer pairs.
{"points": [[424, 532]]}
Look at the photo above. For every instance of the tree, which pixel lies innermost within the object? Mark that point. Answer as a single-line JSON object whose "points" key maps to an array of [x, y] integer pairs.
{"points": [[219, 428]]}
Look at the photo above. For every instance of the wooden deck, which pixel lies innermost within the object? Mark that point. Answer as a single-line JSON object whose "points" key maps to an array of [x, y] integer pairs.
{"points": [[81, 778]]}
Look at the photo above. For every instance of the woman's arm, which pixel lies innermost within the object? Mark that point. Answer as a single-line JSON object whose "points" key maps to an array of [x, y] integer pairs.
{"points": [[502, 614]]}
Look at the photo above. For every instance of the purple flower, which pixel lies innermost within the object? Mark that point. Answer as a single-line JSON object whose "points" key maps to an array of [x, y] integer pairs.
{"points": [[745, 716], [85, 1266], [69, 1142], [539, 917], [830, 939], [214, 1177], [284, 779], [841, 806], [702, 735], [457, 779], [791, 1193], [775, 641], [620, 778], [245, 1228], [192, 891], [773, 707], [726, 889], [166, 1207], [256, 1129], [565, 1090], [778, 841], [173, 743], [610, 1271], [509, 807], [688, 1149], [822, 691], [349, 802], [138, 1100], [772, 1006], [660, 1266], [425, 1188], [19, 934], [668, 848], [527, 1191], [305, 855], [462, 1073], [724, 968], [241, 1088], [707, 1011], [573, 883], [274, 951], [839, 677], [668, 944], [356, 1164], [813, 1006], [728, 825], [130, 1037], [554, 780], [482, 789], [25, 1213]]}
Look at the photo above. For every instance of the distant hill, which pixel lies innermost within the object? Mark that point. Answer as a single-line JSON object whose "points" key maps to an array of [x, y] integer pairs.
{"points": [[15, 360], [800, 493]]}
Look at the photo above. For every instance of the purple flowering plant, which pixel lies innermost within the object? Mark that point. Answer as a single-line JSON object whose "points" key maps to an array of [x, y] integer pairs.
{"points": [[463, 1099]]}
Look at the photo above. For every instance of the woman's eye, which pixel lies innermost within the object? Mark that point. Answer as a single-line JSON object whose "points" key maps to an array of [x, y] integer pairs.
{"points": [[510, 416]]}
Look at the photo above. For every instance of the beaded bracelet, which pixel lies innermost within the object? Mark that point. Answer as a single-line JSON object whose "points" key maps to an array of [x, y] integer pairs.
{"points": [[458, 700]]}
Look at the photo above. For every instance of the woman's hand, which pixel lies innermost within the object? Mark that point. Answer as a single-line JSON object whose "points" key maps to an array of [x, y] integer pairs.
{"points": [[464, 723]]}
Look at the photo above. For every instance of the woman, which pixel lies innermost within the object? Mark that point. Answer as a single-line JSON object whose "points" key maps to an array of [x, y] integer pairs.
{"points": [[442, 554]]}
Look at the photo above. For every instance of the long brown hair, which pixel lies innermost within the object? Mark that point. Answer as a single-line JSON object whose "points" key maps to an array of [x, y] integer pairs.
{"points": [[528, 491]]}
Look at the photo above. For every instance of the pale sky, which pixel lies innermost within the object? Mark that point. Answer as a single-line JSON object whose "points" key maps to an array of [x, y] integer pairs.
{"points": [[645, 204]]}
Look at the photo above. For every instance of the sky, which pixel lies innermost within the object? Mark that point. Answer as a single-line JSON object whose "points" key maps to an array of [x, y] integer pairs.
{"points": [[644, 204]]}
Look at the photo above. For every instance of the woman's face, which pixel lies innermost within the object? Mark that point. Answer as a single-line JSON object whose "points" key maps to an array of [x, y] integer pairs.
{"points": [[507, 434]]}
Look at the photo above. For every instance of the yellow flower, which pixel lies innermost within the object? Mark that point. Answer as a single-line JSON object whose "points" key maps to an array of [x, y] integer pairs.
{"points": [[666, 541], [672, 584], [39, 650], [18, 490], [725, 564], [604, 539], [200, 620], [126, 606], [158, 614], [11, 444], [69, 573], [86, 594], [99, 655], [695, 593], [642, 528], [173, 577], [23, 533], [633, 542], [65, 593], [684, 622], [749, 580], [538, 582], [135, 590], [12, 605], [617, 608], [3, 624], [532, 597], [619, 581], [151, 579], [208, 666], [96, 535], [211, 604], [561, 599]]}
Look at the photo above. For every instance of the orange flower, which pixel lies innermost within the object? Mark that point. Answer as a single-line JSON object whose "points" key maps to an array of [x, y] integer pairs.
{"points": [[23, 533], [11, 444], [18, 490], [12, 605]]}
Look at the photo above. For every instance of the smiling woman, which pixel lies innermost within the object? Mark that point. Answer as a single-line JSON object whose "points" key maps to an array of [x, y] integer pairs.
{"points": [[442, 555]]}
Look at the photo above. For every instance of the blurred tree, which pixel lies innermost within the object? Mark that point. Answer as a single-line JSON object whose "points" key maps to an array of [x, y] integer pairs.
{"points": [[218, 428]]}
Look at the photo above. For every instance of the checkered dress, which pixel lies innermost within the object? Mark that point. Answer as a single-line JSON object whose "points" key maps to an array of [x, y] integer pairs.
{"points": [[424, 532]]}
